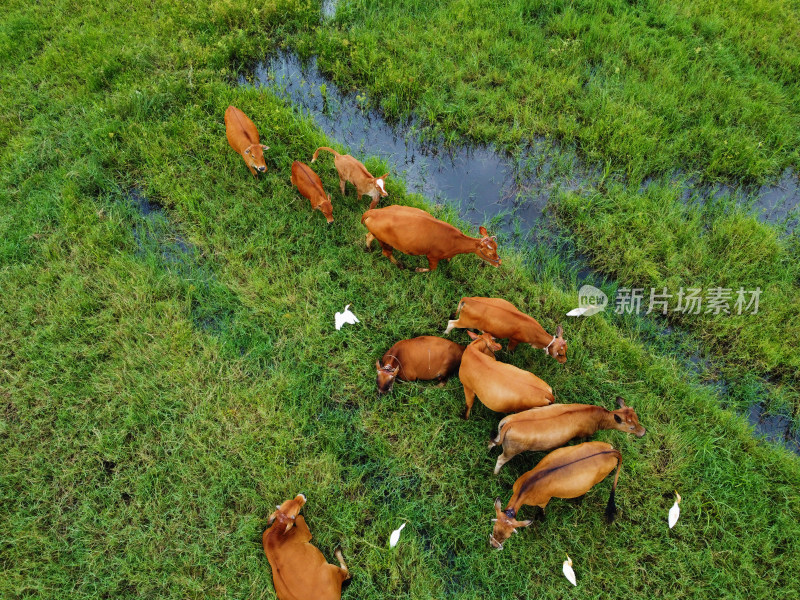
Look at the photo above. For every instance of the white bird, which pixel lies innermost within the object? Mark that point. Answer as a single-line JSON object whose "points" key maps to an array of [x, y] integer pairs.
{"points": [[345, 317], [395, 537], [568, 572], [586, 311], [675, 511]]}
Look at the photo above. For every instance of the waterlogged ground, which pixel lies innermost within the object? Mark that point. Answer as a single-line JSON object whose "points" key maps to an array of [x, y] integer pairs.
{"points": [[512, 193]]}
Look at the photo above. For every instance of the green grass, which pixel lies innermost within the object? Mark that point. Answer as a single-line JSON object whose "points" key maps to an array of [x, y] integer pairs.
{"points": [[638, 89], [153, 411], [646, 87], [657, 241]]}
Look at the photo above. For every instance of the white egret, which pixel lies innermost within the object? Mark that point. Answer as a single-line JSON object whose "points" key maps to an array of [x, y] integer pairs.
{"points": [[345, 317]]}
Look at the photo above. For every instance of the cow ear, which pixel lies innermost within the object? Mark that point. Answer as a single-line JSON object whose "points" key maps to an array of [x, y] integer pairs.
{"points": [[384, 176], [272, 517], [378, 365], [524, 523], [498, 506], [288, 526], [263, 147], [472, 335], [483, 230], [559, 331], [620, 401]]}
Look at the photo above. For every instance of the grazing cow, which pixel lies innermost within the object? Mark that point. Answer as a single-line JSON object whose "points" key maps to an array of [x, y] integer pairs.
{"points": [[500, 386], [564, 473], [352, 170], [243, 137], [310, 185], [505, 321], [424, 357], [553, 426], [299, 570], [415, 232]]}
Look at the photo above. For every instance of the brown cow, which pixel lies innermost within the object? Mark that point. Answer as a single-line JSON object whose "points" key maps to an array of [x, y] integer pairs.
{"points": [[505, 321], [299, 570], [500, 386], [415, 232], [424, 357], [352, 170], [553, 426], [564, 473], [310, 185], [243, 137]]}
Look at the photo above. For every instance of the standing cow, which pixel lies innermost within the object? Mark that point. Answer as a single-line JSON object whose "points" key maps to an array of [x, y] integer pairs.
{"points": [[416, 232], [243, 137], [355, 172], [310, 185], [505, 321], [564, 473], [500, 386], [299, 570], [553, 426]]}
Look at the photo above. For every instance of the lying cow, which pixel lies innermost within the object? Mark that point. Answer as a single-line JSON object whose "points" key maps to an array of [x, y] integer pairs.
{"points": [[299, 570], [553, 426], [564, 473], [500, 386], [414, 231], [310, 185], [505, 321], [243, 137], [355, 172], [424, 357]]}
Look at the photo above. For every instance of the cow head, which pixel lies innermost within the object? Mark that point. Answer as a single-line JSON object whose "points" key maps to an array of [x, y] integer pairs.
{"points": [[254, 157], [386, 376], [380, 184], [326, 208], [286, 513], [484, 343], [504, 525], [487, 248], [558, 347], [625, 419]]}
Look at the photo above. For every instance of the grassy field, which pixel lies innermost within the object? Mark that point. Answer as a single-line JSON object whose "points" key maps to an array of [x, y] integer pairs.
{"points": [[681, 92], [166, 379]]}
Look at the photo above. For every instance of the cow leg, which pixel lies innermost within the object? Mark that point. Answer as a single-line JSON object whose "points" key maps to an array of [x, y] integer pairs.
{"points": [[432, 262], [512, 344], [375, 199], [501, 460], [342, 183], [469, 396], [370, 239], [387, 252], [450, 325], [345, 572]]}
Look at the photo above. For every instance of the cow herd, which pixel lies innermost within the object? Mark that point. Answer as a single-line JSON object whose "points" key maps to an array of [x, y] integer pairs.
{"points": [[299, 569]]}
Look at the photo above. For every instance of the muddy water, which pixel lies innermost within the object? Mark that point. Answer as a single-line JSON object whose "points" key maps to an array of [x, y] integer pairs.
{"points": [[488, 185]]}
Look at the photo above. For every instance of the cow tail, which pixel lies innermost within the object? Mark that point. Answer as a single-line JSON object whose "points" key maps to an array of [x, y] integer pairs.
{"points": [[331, 150], [460, 306], [500, 437], [611, 507]]}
